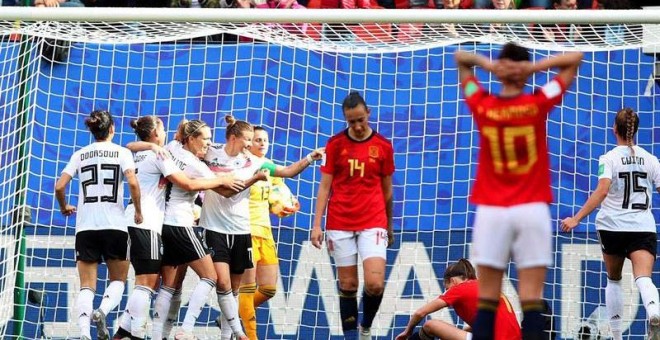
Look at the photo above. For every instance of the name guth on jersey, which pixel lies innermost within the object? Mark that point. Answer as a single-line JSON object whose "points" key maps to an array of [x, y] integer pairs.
{"points": [[632, 160], [99, 153]]}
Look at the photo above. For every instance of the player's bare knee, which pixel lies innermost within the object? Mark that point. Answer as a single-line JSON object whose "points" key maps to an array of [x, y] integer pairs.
{"points": [[348, 284], [374, 288]]}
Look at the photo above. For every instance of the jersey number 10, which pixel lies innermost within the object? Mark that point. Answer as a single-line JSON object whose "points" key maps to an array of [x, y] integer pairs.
{"points": [[505, 141]]}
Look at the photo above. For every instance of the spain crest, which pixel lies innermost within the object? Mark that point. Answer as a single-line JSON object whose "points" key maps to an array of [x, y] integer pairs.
{"points": [[373, 151]]}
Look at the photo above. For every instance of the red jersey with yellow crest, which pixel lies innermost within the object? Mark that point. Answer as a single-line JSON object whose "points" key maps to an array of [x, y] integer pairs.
{"points": [[356, 196], [513, 153]]}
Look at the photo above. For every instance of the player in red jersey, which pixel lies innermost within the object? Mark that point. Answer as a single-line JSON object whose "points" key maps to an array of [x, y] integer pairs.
{"points": [[356, 186], [512, 188], [461, 294]]}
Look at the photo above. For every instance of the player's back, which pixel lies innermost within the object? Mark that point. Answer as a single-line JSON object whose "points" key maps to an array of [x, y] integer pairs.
{"points": [[513, 156], [627, 206], [151, 172], [179, 203], [100, 167]]}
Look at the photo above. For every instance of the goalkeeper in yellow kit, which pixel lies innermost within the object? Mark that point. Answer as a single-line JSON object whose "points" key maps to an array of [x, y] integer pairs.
{"points": [[259, 283]]}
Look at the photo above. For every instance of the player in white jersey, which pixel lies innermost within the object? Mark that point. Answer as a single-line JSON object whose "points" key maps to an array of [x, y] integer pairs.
{"points": [[226, 220], [183, 247], [101, 233], [153, 173], [627, 176]]}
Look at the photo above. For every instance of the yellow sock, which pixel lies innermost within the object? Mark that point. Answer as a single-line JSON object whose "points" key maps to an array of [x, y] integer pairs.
{"points": [[246, 309], [263, 294]]}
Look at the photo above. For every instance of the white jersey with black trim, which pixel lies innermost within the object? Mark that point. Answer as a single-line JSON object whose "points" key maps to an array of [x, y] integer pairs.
{"points": [[229, 215], [179, 203], [627, 206], [100, 167], [151, 174]]}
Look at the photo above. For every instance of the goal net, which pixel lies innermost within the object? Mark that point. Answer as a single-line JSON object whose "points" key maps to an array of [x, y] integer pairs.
{"points": [[289, 74]]}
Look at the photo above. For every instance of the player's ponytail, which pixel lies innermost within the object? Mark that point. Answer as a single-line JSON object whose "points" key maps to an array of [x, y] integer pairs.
{"points": [[236, 127], [144, 126], [626, 125], [189, 129], [99, 123], [462, 268]]}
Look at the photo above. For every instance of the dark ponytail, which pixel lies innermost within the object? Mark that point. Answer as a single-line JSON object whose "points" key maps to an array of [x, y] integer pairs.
{"points": [[144, 126], [99, 123], [462, 268]]}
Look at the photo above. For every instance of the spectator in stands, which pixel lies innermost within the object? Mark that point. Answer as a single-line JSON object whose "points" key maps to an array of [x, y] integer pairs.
{"points": [[441, 4], [58, 3], [615, 34], [564, 4], [562, 33]]}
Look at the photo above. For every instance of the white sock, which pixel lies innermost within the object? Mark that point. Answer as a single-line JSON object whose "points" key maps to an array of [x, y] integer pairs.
{"points": [[229, 308], [225, 329], [85, 304], [125, 321], [161, 309], [614, 304], [172, 314], [649, 294], [112, 296], [138, 310], [198, 299]]}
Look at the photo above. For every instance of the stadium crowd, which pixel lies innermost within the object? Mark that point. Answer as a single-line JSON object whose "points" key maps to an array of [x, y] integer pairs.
{"points": [[347, 4]]}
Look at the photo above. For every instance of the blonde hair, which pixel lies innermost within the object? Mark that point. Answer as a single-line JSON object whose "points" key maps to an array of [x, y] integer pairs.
{"points": [[189, 129]]}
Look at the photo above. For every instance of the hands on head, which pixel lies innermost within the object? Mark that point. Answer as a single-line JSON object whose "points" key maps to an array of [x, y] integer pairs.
{"points": [[515, 72]]}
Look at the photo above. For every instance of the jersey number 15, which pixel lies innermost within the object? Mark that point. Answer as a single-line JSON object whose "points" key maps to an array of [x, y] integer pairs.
{"points": [[631, 185]]}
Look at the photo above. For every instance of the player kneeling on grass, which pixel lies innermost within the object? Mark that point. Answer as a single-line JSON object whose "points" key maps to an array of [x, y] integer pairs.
{"points": [[463, 295]]}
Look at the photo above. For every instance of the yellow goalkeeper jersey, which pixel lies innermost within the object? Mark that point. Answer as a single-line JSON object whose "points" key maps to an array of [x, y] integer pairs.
{"points": [[259, 208]]}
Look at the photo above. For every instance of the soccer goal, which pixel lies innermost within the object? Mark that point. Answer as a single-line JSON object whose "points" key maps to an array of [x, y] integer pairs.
{"points": [[288, 70]]}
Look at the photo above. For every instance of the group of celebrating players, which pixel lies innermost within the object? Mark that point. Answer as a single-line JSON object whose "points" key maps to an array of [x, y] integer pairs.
{"points": [[237, 254]]}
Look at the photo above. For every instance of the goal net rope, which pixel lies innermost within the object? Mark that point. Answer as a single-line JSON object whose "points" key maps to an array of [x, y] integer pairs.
{"points": [[288, 70]]}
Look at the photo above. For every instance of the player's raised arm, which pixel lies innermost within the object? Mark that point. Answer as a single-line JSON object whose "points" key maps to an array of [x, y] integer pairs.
{"points": [[567, 63], [295, 168], [467, 61]]}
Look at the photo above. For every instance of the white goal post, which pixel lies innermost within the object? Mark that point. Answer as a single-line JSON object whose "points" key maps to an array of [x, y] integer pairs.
{"points": [[288, 70]]}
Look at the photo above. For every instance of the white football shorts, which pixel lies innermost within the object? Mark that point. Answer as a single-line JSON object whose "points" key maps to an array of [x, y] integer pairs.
{"points": [[344, 246], [521, 232]]}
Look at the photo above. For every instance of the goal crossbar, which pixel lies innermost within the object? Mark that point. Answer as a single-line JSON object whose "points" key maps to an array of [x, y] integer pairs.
{"points": [[97, 14]]}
